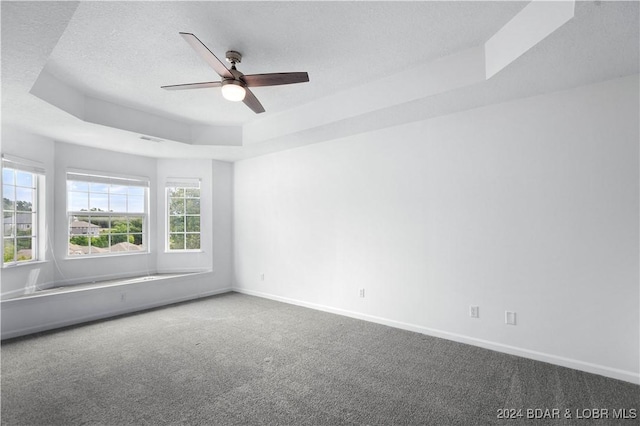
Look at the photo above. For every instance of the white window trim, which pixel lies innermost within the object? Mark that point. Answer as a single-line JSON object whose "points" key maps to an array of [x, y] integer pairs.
{"points": [[173, 182], [39, 172], [109, 178]]}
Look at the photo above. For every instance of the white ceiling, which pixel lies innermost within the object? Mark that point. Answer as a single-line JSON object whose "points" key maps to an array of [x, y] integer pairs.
{"points": [[122, 52]]}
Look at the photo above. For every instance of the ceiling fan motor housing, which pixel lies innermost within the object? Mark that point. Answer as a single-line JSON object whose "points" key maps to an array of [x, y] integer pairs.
{"points": [[233, 57]]}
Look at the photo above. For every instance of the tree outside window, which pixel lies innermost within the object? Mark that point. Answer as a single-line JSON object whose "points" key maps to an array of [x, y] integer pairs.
{"points": [[183, 205], [107, 214], [19, 211]]}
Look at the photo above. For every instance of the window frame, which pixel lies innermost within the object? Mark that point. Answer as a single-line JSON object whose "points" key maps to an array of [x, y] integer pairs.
{"points": [[37, 172], [184, 184], [110, 179]]}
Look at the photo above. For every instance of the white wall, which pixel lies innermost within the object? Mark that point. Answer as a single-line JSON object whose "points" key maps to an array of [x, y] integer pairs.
{"points": [[222, 217], [529, 206]]}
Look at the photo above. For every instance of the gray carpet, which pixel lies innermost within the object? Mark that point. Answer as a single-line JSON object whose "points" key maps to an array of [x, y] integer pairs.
{"points": [[237, 359]]}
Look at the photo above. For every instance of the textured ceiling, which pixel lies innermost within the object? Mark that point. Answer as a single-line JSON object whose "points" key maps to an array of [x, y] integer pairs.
{"points": [[122, 52]]}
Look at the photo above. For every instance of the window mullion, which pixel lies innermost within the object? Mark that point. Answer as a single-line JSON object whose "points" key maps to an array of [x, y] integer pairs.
{"points": [[22, 215], [115, 224]]}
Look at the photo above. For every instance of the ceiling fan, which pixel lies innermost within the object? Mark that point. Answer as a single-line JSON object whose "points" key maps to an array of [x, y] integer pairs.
{"points": [[234, 84]]}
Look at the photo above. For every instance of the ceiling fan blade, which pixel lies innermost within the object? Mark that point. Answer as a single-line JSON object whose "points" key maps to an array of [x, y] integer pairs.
{"points": [[193, 85], [207, 55], [275, 79], [252, 102]]}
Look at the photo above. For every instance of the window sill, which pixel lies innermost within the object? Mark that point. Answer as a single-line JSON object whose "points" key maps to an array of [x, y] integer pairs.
{"points": [[21, 264], [100, 256], [93, 286], [182, 251]]}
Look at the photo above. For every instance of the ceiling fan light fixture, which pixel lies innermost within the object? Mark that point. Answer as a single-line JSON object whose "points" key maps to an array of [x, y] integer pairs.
{"points": [[233, 91], [235, 85]]}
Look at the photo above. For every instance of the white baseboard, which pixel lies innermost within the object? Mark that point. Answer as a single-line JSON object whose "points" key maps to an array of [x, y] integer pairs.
{"points": [[627, 376]]}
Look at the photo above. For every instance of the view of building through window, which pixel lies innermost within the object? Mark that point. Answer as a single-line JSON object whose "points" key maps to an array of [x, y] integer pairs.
{"points": [[106, 214]]}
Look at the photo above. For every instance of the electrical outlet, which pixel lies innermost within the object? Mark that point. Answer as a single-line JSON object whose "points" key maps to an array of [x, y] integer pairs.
{"points": [[510, 317], [474, 311], [361, 292]]}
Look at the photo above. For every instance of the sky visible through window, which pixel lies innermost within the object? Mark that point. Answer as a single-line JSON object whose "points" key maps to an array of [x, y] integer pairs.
{"points": [[89, 196], [107, 215]]}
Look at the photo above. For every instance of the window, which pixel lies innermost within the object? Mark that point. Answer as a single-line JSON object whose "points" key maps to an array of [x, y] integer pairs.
{"points": [[183, 213], [106, 214], [20, 183]]}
